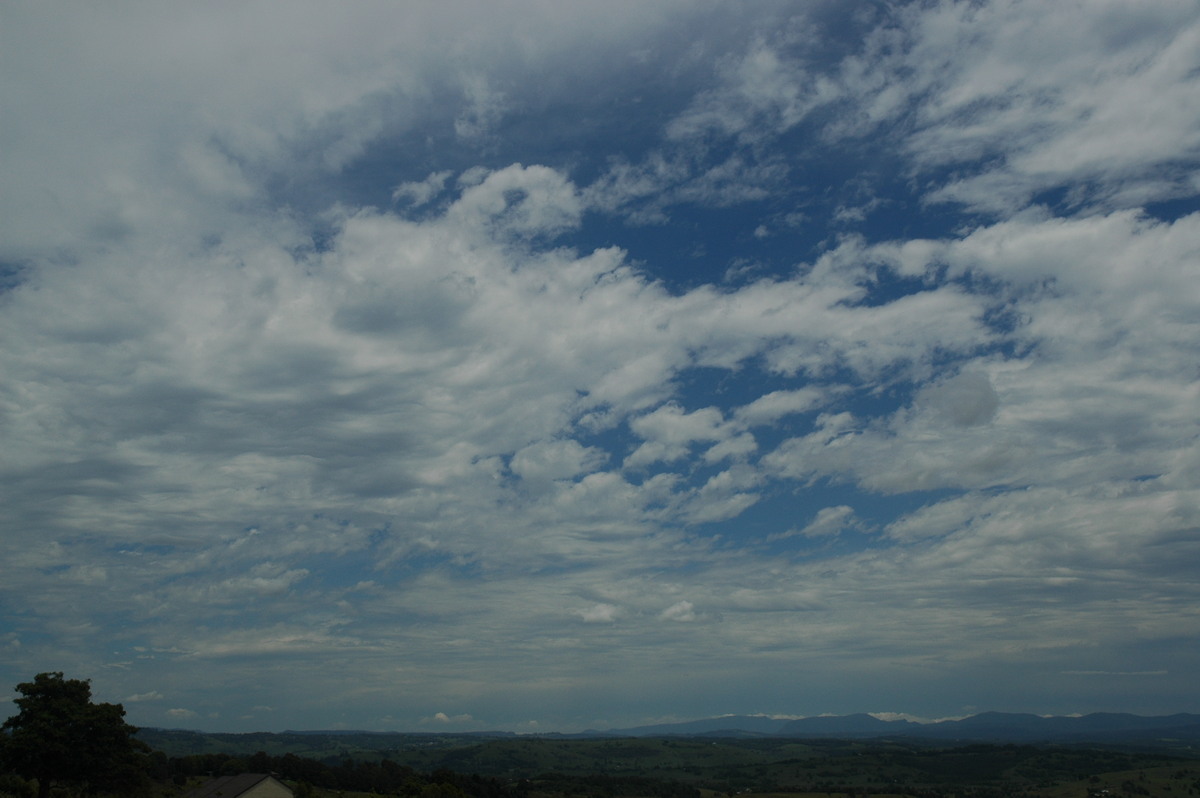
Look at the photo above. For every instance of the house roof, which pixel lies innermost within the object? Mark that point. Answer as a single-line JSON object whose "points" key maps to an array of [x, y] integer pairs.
{"points": [[228, 786]]}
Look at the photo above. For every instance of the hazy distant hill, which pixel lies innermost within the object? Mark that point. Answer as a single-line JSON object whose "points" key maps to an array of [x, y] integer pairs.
{"points": [[762, 725], [846, 726], [1097, 727], [991, 726], [987, 726], [1168, 732], [729, 725]]}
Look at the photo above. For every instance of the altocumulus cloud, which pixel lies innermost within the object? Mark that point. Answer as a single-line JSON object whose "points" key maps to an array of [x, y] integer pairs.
{"points": [[601, 363]]}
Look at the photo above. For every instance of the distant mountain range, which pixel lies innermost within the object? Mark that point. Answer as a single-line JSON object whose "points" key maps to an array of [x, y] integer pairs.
{"points": [[1174, 732], [988, 726]]}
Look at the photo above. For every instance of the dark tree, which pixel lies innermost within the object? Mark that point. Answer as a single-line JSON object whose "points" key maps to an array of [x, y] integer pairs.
{"points": [[59, 736]]}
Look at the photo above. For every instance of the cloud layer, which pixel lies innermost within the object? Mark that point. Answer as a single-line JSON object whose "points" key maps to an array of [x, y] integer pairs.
{"points": [[586, 365]]}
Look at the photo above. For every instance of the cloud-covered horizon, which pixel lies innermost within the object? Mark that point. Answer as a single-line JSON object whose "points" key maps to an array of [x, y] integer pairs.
{"points": [[444, 366]]}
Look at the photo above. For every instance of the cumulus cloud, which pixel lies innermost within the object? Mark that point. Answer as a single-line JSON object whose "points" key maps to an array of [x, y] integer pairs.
{"points": [[773, 406], [153, 695], [599, 613], [420, 192], [669, 430], [547, 460], [680, 612], [442, 718], [829, 522]]}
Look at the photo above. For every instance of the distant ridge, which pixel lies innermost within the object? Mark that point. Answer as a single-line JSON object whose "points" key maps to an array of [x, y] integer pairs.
{"points": [[986, 726], [358, 732], [846, 726], [725, 725], [1171, 731]]}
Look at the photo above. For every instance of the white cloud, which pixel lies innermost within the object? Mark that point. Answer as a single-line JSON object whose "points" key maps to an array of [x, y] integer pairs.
{"points": [[443, 718], [773, 406], [1084, 289], [679, 612], [829, 522], [965, 400], [600, 613], [529, 200], [736, 448], [758, 91], [552, 460], [1021, 80], [420, 192], [668, 431], [153, 695], [130, 121], [485, 106], [1010, 97]]}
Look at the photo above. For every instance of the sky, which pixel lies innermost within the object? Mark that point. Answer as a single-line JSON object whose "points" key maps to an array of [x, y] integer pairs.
{"points": [[540, 366]]}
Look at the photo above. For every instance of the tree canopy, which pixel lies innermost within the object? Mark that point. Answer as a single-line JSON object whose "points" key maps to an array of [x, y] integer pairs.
{"points": [[59, 736]]}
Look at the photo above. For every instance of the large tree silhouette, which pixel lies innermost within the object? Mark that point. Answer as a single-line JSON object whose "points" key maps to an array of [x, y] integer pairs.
{"points": [[59, 736]]}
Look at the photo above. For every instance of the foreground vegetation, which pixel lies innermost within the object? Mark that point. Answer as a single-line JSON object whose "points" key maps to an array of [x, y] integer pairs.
{"points": [[459, 767], [450, 766]]}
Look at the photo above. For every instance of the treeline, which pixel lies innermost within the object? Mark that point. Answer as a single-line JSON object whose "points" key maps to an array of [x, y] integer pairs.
{"points": [[601, 786], [381, 777], [385, 777]]}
